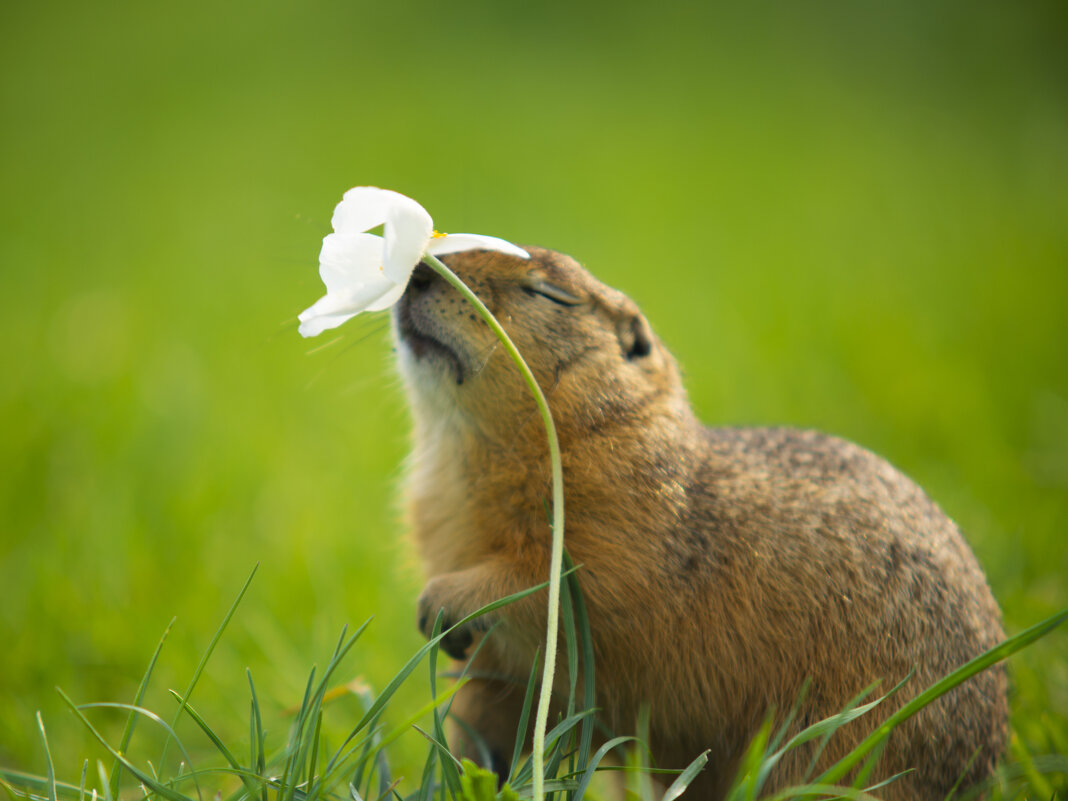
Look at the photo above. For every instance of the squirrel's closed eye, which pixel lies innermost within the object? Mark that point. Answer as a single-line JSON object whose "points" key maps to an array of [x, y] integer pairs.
{"points": [[558, 295]]}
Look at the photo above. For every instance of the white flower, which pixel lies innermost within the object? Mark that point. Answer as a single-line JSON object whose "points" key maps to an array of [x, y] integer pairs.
{"points": [[365, 272]]}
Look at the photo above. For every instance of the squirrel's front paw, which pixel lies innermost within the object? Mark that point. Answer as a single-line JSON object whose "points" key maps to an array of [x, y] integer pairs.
{"points": [[440, 595]]}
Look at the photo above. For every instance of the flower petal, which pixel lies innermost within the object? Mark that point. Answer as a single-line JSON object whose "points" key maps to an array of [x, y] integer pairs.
{"points": [[363, 207], [311, 324], [407, 225], [348, 260], [388, 298], [334, 308], [454, 243], [407, 232]]}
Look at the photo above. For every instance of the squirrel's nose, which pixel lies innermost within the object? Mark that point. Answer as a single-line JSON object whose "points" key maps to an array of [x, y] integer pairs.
{"points": [[422, 278]]}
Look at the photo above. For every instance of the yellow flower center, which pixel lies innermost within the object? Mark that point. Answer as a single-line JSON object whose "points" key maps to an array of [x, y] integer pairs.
{"points": [[437, 235]]}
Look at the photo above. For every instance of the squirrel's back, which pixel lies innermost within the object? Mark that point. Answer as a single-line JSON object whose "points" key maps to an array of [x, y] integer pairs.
{"points": [[828, 564]]}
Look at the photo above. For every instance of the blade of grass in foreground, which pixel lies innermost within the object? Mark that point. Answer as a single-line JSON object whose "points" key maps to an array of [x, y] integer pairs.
{"points": [[256, 739], [8, 788], [365, 765], [250, 787], [524, 718], [1045, 765], [444, 754], [399, 679], [745, 784], [22, 785], [340, 759], [553, 740], [837, 771], [298, 727], [148, 781], [678, 787], [1038, 783], [449, 771], [131, 721], [136, 710], [825, 729], [589, 675], [299, 745], [591, 766], [824, 791], [48, 757], [103, 776], [204, 661]]}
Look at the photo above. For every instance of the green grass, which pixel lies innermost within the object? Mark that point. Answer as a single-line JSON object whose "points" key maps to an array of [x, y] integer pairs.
{"points": [[305, 767], [845, 216]]}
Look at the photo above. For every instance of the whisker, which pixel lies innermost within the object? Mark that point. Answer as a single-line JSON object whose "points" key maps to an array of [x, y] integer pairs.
{"points": [[377, 326], [325, 345], [284, 327], [377, 329]]}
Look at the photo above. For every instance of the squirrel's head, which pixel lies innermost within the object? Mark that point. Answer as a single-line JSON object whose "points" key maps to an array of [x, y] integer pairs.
{"points": [[589, 347]]}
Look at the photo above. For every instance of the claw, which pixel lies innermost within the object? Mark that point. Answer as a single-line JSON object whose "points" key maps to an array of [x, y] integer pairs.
{"points": [[456, 643]]}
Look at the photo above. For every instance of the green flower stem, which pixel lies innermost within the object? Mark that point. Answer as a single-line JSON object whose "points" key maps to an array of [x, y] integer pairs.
{"points": [[549, 667]]}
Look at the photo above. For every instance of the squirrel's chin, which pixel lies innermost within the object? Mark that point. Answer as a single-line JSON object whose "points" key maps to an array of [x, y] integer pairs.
{"points": [[428, 355], [424, 351]]}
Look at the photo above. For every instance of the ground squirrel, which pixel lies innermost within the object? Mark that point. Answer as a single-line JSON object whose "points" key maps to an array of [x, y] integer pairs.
{"points": [[721, 567]]}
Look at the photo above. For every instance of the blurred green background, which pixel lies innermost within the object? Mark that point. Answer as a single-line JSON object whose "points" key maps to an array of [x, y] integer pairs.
{"points": [[852, 216]]}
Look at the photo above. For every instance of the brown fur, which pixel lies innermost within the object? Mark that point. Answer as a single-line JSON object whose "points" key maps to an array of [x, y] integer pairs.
{"points": [[722, 567]]}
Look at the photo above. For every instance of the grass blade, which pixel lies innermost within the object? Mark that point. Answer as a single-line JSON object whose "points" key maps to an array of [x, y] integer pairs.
{"points": [[218, 743], [449, 771], [591, 766], [643, 777], [145, 779], [406, 671], [1039, 786], [428, 774], [341, 756], [136, 710], [11, 792], [746, 782], [131, 721], [869, 764], [827, 791], [389, 788], [794, 709], [366, 762], [524, 717], [678, 787], [525, 773], [314, 762], [256, 738], [441, 749], [25, 785], [299, 745], [826, 728], [961, 674], [103, 776], [204, 660], [317, 702], [298, 726], [571, 649], [48, 757], [567, 612], [589, 673]]}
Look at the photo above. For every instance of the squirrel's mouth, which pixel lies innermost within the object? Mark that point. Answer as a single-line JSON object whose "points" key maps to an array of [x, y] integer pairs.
{"points": [[423, 345]]}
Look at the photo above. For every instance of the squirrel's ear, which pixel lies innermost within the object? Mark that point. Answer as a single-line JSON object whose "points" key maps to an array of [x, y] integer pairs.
{"points": [[635, 337]]}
